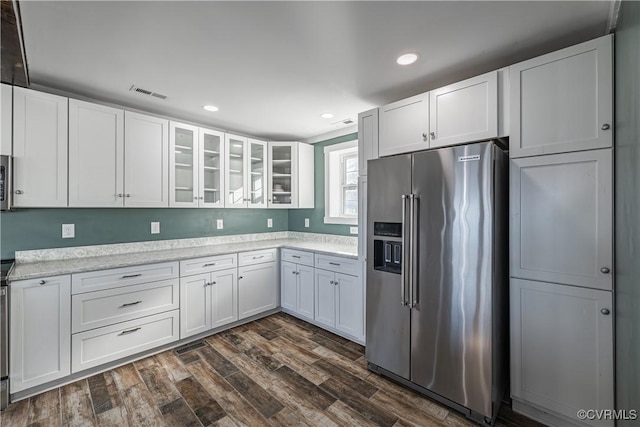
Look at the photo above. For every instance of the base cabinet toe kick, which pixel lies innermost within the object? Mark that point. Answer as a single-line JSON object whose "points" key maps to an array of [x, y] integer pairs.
{"points": [[67, 327]]}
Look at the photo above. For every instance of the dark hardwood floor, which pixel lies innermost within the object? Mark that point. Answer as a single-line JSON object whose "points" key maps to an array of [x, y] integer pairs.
{"points": [[276, 371]]}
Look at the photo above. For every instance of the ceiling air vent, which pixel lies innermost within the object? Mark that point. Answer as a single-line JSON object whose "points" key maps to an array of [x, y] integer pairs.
{"points": [[133, 88], [343, 122]]}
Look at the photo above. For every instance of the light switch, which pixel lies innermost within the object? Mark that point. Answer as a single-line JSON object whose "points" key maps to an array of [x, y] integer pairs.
{"points": [[269, 222], [68, 231], [306, 222], [353, 230], [219, 224], [155, 228]]}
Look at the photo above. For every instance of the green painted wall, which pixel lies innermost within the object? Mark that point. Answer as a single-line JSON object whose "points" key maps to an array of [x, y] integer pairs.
{"points": [[42, 228], [316, 215]]}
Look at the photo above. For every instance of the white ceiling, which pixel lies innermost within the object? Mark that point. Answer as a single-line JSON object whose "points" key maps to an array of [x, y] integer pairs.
{"points": [[274, 67]]}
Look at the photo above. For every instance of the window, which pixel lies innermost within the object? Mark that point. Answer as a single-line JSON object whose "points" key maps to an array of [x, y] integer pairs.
{"points": [[341, 183]]}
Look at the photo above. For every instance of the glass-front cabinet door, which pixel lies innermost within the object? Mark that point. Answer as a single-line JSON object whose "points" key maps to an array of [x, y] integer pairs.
{"points": [[211, 178], [257, 173], [235, 167], [183, 177], [281, 174]]}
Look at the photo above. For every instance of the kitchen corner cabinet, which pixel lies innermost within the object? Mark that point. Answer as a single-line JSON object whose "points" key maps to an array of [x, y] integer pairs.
{"points": [[40, 137], [96, 155], [562, 348], [40, 334], [367, 139], [404, 126], [291, 175], [245, 172], [464, 111], [297, 289], [563, 101], [146, 161], [562, 218], [257, 282]]}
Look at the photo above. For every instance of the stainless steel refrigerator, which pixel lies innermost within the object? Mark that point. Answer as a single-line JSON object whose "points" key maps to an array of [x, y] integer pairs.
{"points": [[437, 275]]}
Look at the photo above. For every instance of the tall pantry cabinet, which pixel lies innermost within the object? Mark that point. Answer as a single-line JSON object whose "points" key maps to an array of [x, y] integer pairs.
{"points": [[561, 214]]}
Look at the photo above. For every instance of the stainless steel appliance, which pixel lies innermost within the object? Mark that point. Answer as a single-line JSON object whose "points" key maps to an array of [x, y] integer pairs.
{"points": [[5, 181], [5, 266], [437, 318]]}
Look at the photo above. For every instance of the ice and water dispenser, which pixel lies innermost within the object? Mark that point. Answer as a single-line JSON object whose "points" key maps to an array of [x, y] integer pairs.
{"points": [[387, 253]]}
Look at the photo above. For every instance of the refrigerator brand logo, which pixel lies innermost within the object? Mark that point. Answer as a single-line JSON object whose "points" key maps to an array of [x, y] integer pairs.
{"points": [[468, 158]]}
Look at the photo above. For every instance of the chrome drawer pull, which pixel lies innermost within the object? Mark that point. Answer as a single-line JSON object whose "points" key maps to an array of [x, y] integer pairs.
{"points": [[42, 282], [130, 304], [295, 256], [129, 276], [130, 331], [258, 257], [211, 264], [334, 263]]}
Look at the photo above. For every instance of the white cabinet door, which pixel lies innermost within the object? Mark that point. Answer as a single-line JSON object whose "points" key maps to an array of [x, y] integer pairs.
{"points": [[305, 301], [563, 101], [40, 135], [257, 289], [6, 119], [283, 182], [224, 297], [183, 165], [325, 298], [289, 283], [562, 347], [40, 335], [349, 305], [256, 173], [96, 155], [562, 218], [235, 171], [404, 126], [195, 304], [367, 139], [464, 111], [146, 161], [362, 218], [211, 163]]}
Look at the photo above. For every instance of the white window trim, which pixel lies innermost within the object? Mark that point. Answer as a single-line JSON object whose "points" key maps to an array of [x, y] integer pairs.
{"points": [[328, 218]]}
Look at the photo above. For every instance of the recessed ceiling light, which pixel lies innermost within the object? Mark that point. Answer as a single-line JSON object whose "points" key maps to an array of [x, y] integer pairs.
{"points": [[407, 58], [210, 107], [326, 115]]}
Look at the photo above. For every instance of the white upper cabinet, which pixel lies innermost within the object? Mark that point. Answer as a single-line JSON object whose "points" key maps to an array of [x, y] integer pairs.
{"points": [[235, 171], [146, 161], [367, 139], [465, 111], [96, 155], [211, 163], [563, 101], [6, 119], [404, 126], [291, 171], [39, 149], [256, 173], [183, 165]]}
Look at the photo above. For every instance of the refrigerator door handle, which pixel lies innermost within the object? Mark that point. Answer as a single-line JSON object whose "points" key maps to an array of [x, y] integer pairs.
{"points": [[403, 270], [414, 250]]}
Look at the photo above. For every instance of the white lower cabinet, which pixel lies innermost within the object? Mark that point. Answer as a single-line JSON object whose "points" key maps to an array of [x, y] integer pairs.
{"points": [[40, 331], [561, 350], [208, 301], [257, 289], [297, 289], [339, 302]]}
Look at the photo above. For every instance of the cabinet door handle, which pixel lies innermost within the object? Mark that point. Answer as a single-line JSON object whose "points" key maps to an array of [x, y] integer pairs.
{"points": [[331, 282], [605, 270], [130, 304], [129, 276], [18, 191], [334, 263], [130, 331], [120, 195], [213, 283], [606, 126], [211, 264], [293, 272], [241, 277], [295, 256], [42, 282], [424, 135], [258, 257], [433, 135], [127, 195], [605, 311]]}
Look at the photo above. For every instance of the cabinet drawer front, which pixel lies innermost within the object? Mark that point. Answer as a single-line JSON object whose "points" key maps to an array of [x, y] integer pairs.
{"points": [[96, 309], [208, 264], [257, 257], [102, 345], [299, 257], [125, 276], [338, 264]]}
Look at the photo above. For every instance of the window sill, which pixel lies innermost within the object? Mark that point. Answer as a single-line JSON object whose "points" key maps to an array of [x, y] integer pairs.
{"points": [[340, 220]]}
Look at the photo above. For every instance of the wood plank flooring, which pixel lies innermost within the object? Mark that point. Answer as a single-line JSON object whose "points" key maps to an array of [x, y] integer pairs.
{"points": [[277, 371]]}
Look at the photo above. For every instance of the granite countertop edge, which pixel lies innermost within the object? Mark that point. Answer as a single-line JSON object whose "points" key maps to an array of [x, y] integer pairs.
{"points": [[37, 269]]}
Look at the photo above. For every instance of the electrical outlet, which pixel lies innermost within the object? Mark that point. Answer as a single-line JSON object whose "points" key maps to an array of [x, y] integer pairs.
{"points": [[68, 231], [219, 224], [306, 222], [155, 228], [353, 230], [269, 222]]}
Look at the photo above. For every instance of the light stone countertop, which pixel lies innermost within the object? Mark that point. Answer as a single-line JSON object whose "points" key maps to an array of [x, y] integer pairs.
{"points": [[36, 269]]}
